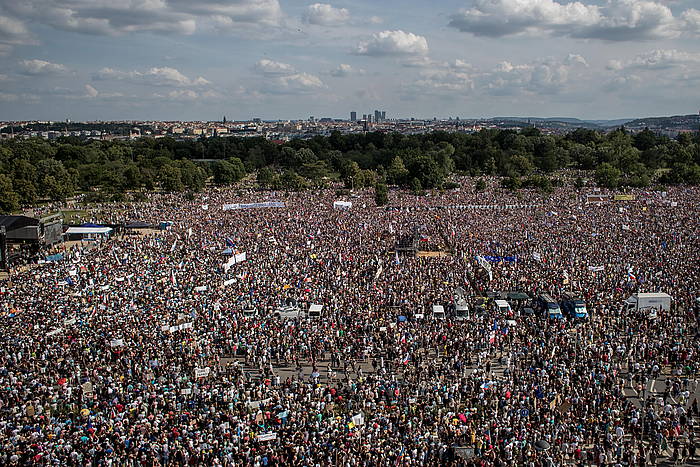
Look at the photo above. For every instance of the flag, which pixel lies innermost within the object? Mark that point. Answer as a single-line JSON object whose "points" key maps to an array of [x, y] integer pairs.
{"points": [[229, 242], [396, 258], [630, 276]]}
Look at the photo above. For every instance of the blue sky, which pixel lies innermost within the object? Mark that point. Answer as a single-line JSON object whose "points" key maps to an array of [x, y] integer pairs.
{"points": [[288, 59]]}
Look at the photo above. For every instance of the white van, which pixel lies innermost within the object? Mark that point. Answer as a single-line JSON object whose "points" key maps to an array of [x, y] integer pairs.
{"points": [[289, 312], [438, 312], [461, 310], [315, 310], [503, 307]]}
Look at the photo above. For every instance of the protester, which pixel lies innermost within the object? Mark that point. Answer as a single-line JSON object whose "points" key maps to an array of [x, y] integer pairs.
{"points": [[136, 350]]}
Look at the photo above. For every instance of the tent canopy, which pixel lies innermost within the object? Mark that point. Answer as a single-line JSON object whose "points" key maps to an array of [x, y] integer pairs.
{"points": [[88, 230]]}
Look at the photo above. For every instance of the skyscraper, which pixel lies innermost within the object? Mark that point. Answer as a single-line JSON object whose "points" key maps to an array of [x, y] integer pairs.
{"points": [[383, 115], [353, 116], [377, 116]]}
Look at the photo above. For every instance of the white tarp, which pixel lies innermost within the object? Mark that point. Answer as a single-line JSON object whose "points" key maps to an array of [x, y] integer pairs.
{"points": [[88, 230], [342, 204]]}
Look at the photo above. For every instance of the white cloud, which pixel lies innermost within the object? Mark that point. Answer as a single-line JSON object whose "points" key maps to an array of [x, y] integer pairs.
{"points": [[622, 83], [299, 83], [164, 76], [393, 43], [691, 19], [109, 17], [342, 71], [619, 20], [375, 20], [323, 14], [656, 60], [90, 91], [272, 68], [547, 76], [41, 68]]}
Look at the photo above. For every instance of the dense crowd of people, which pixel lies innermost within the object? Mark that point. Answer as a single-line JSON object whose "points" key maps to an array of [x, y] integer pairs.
{"points": [[136, 349]]}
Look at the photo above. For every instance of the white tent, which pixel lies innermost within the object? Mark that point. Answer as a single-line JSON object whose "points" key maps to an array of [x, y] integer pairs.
{"points": [[88, 230]]}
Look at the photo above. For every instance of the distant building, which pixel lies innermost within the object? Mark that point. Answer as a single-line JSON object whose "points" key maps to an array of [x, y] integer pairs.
{"points": [[377, 116], [383, 116], [353, 116]]}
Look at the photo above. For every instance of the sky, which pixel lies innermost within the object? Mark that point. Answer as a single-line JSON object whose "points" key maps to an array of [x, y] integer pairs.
{"points": [[291, 59]]}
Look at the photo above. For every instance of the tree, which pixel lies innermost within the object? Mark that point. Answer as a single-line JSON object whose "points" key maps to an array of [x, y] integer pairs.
{"points": [[170, 178], [607, 176], [292, 181], [416, 186], [397, 172], [381, 194], [349, 173], [9, 200], [265, 177], [228, 172], [480, 185]]}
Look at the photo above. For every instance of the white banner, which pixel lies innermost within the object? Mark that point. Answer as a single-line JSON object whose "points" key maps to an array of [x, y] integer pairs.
{"points": [[266, 204], [537, 256], [266, 436], [239, 258], [117, 342], [596, 268], [201, 372], [180, 327], [359, 419], [229, 282], [257, 404], [201, 288]]}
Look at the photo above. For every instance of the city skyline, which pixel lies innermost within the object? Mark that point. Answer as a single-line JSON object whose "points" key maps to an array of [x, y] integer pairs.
{"points": [[171, 60]]}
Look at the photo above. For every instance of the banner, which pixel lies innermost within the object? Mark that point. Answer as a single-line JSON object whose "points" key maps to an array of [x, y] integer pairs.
{"points": [[266, 436], [266, 204], [201, 372], [180, 327], [484, 264], [116, 342], [624, 197], [537, 257], [596, 268]]}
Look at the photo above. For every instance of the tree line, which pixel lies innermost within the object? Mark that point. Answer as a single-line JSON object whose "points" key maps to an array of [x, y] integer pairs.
{"points": [[34, 169]]}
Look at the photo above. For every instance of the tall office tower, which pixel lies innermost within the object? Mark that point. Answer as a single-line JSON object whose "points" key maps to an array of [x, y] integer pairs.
{"points": [[364, 117], [377, 116], [353, 116], [383, 115]]}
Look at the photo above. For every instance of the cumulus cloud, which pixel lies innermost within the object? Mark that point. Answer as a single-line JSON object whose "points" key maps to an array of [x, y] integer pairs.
{"points": [[298, 83], [691, 20], [272, 68], [13, 31], [90, 91], [41, 68], [656, 60], [547, 76], [107, 17], [342, 71], [397, 43], [164, 76], [323, 14], [619, 20]]}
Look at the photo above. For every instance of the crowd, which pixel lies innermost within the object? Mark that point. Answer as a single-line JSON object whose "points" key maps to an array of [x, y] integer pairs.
{"points": [[136, 350]]}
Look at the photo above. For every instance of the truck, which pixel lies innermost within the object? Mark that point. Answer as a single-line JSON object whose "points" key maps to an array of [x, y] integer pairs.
{"points": [[461, 310], [651, 303], [315, 310], [438, 312], [548, 306], [504, 307], [574, 307]]}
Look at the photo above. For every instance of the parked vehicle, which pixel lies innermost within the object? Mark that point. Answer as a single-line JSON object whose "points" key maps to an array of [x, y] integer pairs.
{"points": [[550, 307]]}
